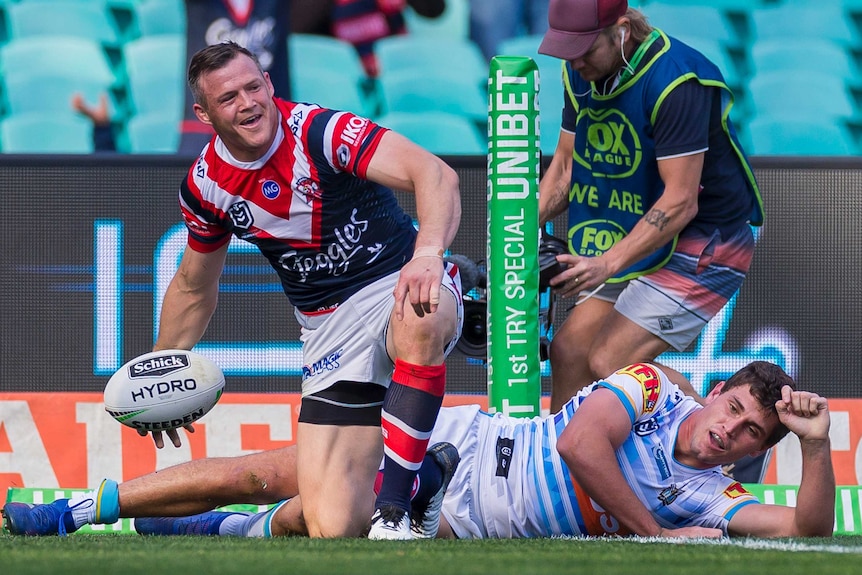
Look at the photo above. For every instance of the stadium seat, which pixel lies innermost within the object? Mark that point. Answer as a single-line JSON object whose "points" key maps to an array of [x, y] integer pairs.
{"points": [[52, 93], [155, 73], [38, 133], [156, 17], [416, 91], [327, 71], [89, 20], [441, 59], [803, 55], [804, 95], [453, 23], [153, 133], [56, 55], [701, 20], [438, 132], [792, 22], [769, 136]]}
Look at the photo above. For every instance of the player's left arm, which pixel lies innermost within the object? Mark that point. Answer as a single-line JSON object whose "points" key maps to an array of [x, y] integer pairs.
{"points": [[402, 165], [588, 444], [806, 414], [682, 136]]}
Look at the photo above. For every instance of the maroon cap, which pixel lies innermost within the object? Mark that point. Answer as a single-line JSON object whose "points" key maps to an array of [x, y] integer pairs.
{"points": [[573, 25]]}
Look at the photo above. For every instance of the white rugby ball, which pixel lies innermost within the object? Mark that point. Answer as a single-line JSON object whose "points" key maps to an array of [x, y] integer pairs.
{"points": [[163, 390]]}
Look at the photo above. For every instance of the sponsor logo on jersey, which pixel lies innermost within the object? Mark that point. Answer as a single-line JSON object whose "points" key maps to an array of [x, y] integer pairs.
{"points": [[240, 215], [309, 189], [343, 155], [661, 461], [505, 447], [159, 365], [328, 363], [354, 131], [643, 428], [270, 189], [650, 383], [735, 490], [669, 494]]}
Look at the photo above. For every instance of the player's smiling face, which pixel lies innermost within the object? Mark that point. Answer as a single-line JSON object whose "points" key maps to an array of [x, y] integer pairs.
{"points": [[240, 108], [732, 425]]}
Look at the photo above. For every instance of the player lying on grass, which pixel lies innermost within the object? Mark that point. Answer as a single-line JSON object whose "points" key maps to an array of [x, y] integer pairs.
{"points": [[631, 454]]}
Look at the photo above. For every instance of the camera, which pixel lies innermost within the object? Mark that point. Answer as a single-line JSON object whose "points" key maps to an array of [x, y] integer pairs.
{"points": [[549, 248], [474, 333]]}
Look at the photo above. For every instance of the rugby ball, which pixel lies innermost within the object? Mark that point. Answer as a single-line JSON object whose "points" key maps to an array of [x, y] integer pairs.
{"points": [[163, 390]]}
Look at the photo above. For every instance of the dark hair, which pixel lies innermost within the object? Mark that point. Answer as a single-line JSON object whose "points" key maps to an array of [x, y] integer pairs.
{"points": [[211, 58], [765, 381]]}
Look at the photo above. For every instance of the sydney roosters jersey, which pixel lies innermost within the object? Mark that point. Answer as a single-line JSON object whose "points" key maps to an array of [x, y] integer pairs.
{"points": [[326, 230]]}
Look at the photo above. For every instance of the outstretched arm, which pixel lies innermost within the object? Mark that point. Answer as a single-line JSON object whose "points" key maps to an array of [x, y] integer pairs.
{"points": [[806, 415], [588, 444]]}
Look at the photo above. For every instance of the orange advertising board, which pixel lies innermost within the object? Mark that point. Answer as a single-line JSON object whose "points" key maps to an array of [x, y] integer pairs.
{"points": [[67, 440]]}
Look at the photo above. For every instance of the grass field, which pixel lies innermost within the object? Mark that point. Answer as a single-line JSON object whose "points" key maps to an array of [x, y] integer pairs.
{"points": [[129, 554]]}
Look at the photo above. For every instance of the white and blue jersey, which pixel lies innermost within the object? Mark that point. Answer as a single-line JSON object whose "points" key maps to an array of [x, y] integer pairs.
{"points": [[512, 482]]}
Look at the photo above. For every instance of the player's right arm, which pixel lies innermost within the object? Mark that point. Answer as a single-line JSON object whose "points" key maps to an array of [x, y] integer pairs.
{"points": [[190, 299], [187, 307], [806, 415]]}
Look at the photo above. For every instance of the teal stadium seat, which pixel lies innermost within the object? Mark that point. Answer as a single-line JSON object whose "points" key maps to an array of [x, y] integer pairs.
{"points": [[693, 20], [792, 22], [64, 65], [415, 91], [803, 55], [792, 137], [90, 20], [39, 133], [327, 71], [156, 17], [59, 55], [153, 133], [813, 95], [50, 92], [443, 60], [155, 74], [438, 132], [453, 23]]}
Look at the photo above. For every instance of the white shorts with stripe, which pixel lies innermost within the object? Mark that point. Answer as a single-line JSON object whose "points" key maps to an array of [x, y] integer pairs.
{"points": [[349, 343]]}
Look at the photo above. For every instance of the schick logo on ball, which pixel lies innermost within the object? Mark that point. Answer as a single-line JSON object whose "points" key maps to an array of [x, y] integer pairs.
{"points": [[158, 366]]}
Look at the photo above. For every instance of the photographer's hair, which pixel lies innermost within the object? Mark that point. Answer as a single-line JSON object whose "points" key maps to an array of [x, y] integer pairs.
{"points": [[212, 58], [765, 380]]}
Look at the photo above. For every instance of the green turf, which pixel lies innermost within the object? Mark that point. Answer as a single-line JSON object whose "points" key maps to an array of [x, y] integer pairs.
{"points": [[97, 554]]}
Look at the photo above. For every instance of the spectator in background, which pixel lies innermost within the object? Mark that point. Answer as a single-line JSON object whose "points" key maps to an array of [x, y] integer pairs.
{"points": [[492, 21], [363, 22], [103, 130], [261, 26]]}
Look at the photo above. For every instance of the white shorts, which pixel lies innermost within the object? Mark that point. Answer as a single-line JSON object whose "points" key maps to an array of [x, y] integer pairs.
{"points": [[349, 344], [484, 500]]}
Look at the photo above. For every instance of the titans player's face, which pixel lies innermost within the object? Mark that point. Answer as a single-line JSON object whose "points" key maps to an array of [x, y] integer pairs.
{"points": [[240, 108]]}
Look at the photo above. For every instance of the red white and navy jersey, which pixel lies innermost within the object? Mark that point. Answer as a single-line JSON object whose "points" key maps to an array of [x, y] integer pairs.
{"points": [[326, 230]]}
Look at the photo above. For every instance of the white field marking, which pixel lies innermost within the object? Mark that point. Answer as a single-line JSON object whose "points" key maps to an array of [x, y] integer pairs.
{"points": [[745, 543]]}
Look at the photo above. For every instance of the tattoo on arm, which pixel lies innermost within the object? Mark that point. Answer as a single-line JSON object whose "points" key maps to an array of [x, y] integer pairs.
{"points": [[657, 218]]}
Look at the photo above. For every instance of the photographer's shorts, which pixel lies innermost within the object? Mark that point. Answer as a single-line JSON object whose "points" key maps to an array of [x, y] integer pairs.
{"points": [[347, 347], [676, 302]]}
